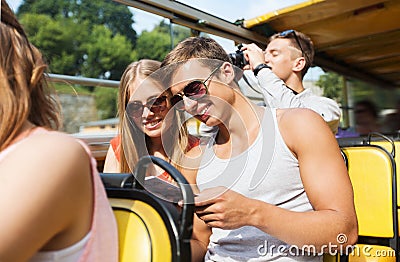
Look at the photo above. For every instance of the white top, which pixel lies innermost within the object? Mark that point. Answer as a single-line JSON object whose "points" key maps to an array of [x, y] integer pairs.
{"points": [[266, 171], [277, 95], [69, 254]]}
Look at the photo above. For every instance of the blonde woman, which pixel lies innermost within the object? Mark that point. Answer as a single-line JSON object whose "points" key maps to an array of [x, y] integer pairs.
{"points": [[143, 107]]}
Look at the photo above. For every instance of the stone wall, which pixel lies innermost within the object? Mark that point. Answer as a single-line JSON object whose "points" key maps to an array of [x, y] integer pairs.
{"points": [[76, 110]]}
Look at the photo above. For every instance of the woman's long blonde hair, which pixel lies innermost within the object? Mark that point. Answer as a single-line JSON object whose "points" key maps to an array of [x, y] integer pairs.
{"points": [[24, 92], [134, 143]]}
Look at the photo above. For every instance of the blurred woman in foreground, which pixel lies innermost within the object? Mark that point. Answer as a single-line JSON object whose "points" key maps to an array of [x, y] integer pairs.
{"points": [[53, 202]]}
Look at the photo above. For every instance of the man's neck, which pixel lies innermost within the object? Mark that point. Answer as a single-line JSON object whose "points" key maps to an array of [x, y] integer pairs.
{"points": [[295, 83], [241, 129]]}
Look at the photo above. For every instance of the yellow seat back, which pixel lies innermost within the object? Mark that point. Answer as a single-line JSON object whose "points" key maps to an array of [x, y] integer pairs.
{"points": [[142, 233], [371, 170], [396, 151], [150, 228], [331, 258]]}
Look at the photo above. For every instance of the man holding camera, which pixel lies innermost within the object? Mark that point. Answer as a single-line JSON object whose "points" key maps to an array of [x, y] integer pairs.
{"points": [[280, 71]]}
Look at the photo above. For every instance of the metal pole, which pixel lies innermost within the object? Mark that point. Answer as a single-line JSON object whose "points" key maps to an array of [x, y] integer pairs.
{"points": [[345, 108], [171, 32], [85, 81]]}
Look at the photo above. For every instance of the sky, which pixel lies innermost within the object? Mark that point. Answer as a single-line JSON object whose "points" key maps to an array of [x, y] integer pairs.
{"points": [[230, 10]]}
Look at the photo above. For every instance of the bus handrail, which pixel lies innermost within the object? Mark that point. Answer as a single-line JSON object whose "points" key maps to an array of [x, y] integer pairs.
{"points": [[85, 81]]}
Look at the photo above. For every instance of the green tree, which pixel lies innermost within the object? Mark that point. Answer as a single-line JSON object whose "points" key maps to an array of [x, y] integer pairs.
{"points": [[115, 16], [106, 102], [52, 8], [106, 56], [332, 86], [76, 50], [157, 43], [59, 40]]}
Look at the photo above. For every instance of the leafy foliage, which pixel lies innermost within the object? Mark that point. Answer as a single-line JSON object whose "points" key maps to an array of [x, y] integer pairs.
{"points": [[113, 15], [59, 40], [89, 38], [106, 56], [51, 8], [157, 43], [332, 84], [106, 102]]}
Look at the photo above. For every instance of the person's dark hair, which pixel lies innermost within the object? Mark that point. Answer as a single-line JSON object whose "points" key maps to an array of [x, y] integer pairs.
{"points": [[306, 44], [366, 106], [24, 92]]}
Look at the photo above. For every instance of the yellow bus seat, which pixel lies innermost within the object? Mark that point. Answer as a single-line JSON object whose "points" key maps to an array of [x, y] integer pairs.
{"points": [[372, 173], [392, 145], [395, 151], [331, 258], [149, 228], [142, 233]]}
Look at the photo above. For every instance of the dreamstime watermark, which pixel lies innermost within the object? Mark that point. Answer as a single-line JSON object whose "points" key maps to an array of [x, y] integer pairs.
{"points": [[267, 249]]}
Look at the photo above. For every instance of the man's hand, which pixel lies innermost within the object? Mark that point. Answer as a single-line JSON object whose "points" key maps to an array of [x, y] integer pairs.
{"points": [[254, 55], [223, 208]]}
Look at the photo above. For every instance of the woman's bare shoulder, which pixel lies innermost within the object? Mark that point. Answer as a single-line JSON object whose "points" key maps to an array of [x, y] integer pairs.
{"points": [[53, 151]]}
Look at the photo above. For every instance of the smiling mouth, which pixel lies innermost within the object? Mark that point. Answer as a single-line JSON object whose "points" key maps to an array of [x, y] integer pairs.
{"points": [[203, 114], [152, 124], [204, 110]]}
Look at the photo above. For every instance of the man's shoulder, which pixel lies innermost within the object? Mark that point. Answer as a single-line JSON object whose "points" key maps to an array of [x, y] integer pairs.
{"points": [[297, 116], [294, 111], [309, 94]]}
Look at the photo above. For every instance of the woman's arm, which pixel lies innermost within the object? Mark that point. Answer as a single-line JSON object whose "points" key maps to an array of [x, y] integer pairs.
{"points": [[201, 232], [111, 164]]}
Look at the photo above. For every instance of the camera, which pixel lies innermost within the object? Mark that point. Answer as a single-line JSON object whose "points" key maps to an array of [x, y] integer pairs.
{"points": [[238, 58]]}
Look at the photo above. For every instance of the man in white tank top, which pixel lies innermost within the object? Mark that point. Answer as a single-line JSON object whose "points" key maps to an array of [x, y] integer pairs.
{"points": [[272, 183]]}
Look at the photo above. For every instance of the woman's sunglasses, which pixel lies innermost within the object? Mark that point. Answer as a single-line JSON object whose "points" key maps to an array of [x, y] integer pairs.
{"points": [[195, 90], [155, 105]]}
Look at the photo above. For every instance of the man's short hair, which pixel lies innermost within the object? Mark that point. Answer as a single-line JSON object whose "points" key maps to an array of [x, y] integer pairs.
{"points": [[204, 48], [306, 44], [196, 47]]}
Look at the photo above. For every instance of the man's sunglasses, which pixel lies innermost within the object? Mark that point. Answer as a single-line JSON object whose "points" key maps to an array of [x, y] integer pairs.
{"points": [[155, 105], [195, 90], [285, 34]]}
